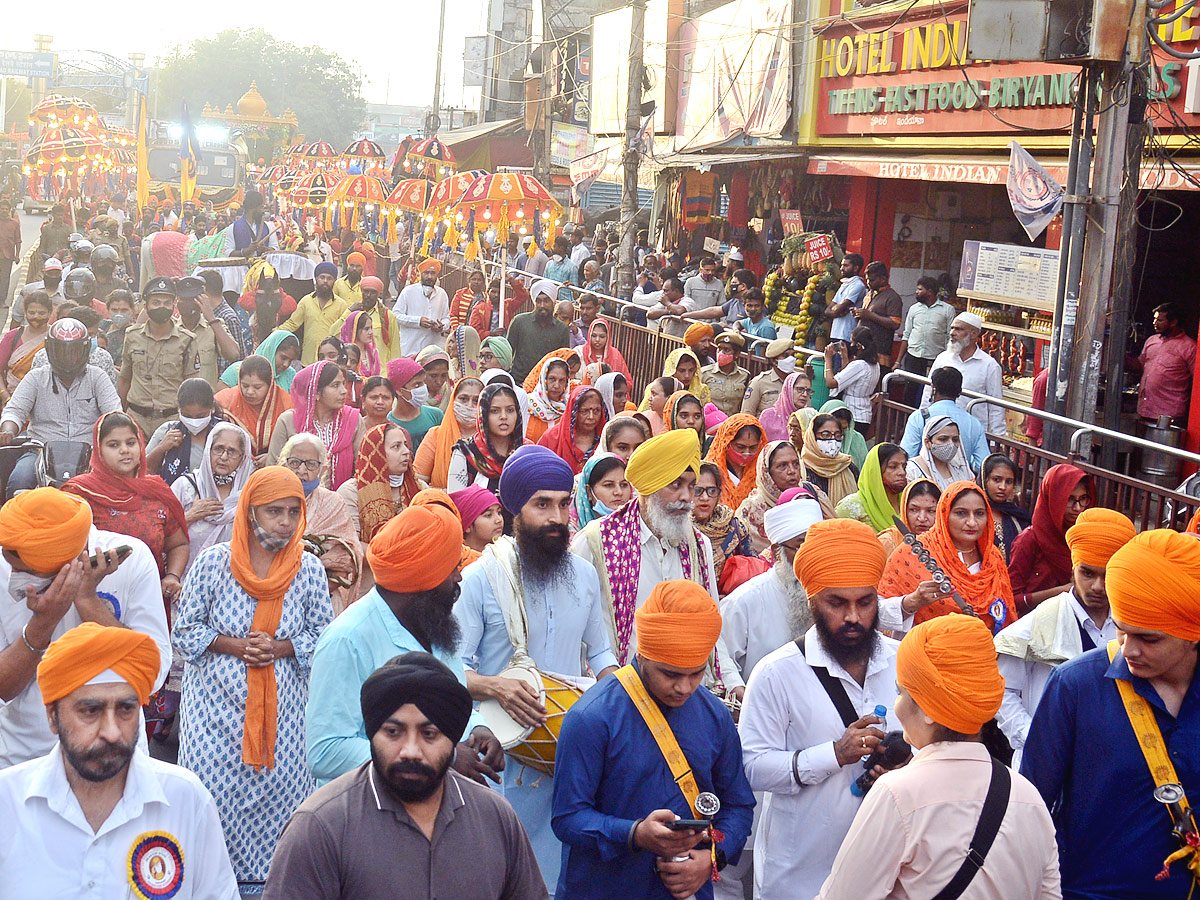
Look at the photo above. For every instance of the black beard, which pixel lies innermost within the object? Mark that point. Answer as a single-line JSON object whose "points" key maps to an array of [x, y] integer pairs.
{"points": [[99, 763], [849, 645], [543, 551], [542, 316], [409, 790], [432, 612]]}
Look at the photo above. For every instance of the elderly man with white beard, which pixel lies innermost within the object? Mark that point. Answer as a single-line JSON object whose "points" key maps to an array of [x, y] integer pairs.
{"points": [[980, 373], [651, 539]]}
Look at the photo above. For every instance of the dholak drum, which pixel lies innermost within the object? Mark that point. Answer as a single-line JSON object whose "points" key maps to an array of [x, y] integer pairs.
{"points": [[534, 746]]}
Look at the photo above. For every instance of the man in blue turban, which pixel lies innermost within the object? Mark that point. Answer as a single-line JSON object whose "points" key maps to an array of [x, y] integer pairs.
{"points": [[318, 313], [529, 599]]}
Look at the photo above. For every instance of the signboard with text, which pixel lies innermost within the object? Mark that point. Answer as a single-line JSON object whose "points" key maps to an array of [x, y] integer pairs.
{"points": [[1027, 276], [26, 64], [819, 249], [792, 221]]}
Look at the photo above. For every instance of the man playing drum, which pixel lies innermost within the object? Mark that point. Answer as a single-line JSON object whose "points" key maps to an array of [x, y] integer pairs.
{"points": [[529, 602]]}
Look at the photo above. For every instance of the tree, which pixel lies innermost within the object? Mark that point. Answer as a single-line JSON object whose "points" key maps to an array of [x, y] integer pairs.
{"points": [[321, 88]]}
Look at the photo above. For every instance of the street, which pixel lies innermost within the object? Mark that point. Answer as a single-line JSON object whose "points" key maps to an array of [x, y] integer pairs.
{"points": [[30, 229]]}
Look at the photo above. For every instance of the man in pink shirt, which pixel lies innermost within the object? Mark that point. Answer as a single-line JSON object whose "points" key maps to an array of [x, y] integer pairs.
{"points": [[1168, 361]]}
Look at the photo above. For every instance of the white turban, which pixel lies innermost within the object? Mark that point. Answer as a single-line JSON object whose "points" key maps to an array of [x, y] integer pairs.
{"points": [[545, 286], [792, 519]]}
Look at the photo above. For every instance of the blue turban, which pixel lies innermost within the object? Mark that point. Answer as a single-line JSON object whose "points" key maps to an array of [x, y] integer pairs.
{"points": [[530, 469], [326, 268]]}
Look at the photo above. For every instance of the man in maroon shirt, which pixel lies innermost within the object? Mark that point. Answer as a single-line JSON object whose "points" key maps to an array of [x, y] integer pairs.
{"points": [[10, 246], [1167, 362]]}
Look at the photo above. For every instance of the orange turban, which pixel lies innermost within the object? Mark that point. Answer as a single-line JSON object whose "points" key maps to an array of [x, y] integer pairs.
{"points": [[948, 665], [356, 257], [839, 553], [1097, 534], [696, 333], [1153, 582], [434, 264], [678, 625], [89, 649], [419, 548], [45, 527]]}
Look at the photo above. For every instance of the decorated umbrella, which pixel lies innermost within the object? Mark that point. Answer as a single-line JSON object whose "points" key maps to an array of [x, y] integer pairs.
{"points": [[57, 110], [354, 197], [63, 155], [273, 175], [319, 150], [296, 151], [365, 151], [449, 191], [312, 189], [411, 197], [431, 159]]}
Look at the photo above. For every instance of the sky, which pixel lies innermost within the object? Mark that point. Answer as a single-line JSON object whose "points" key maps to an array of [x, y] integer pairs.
{"points": [[396, 69]]}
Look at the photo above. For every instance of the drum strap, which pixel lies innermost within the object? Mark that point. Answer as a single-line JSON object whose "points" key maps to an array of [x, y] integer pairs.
{"points": [[502, 565], [681, 771], [1149, 738]]}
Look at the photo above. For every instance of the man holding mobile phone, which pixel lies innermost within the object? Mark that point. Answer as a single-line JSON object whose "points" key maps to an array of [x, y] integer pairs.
{"points": [[47, 549]]}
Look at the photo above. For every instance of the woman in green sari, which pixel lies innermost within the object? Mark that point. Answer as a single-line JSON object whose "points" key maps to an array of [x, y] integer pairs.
{"points": [[880, 483]]}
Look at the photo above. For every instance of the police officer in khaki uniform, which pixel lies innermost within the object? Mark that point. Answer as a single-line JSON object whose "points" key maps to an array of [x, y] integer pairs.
{"points": [[158, 355], [727, 381], [764, 388], [213, 343]]}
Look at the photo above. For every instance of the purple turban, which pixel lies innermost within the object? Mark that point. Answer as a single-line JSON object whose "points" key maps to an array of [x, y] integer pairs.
{"points": [[325, 268], [530, 469]]}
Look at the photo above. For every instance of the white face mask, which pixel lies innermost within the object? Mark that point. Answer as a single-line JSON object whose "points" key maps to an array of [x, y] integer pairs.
{"points": [[944, 452], [195, 426], [464, 412], [830, 447], [18, 581], [786, 365], [396, 480], [419, 395]]}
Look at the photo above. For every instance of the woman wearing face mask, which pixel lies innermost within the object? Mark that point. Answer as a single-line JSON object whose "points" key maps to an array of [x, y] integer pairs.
{"points": [[683, 365], [919, 504], [942, 459], [319, 408], [727, 533], [778, 469], [655, 401], [735, 449], [574, 437], [256, 404], [209, 495], [824, 462], [548, 400], [378, 399], [482, 521], [128, 500], [282, 348], [478, 458], [684, 410], [383, 486], [411, 412], [432, 462], [247, 626], [358, 330], [880, 484], [329, 533], [614, 388], [853, 443], [598, 349], [960, 541], [622, 435], [177, 447], [602, 490], [795, 394], [1041, 561], [998, 478]]}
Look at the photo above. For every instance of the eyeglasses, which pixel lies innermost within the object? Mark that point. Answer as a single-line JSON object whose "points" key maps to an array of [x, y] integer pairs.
{"points": [[1082, 502], [708, 492], [828, 436], [303, 465], [801, 390], [226, 452]]}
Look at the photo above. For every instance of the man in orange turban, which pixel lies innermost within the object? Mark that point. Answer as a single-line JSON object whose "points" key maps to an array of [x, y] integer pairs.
{"points": [[1063, 627], [414, 558], [678, 625], [45, 536], [700, 338], [92, 800], [349, 286], [821, 731], [1084, 753]]}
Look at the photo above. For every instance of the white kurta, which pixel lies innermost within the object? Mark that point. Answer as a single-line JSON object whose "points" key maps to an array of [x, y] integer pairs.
{"points": [[786, 710], [411, 306], [754, 621]]}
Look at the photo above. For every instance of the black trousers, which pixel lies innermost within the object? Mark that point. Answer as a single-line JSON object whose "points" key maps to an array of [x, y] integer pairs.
{"points": [[913, 389]]}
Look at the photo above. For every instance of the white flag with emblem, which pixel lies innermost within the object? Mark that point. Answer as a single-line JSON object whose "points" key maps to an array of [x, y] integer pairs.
{"points": [[1035, 196]]}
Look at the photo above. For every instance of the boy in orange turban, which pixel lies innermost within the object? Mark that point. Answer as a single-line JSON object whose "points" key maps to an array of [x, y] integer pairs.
{"points": [[1085, 749], [1064, 626]]}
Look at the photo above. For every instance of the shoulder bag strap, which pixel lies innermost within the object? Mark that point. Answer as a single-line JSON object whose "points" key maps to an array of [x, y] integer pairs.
{"points": [[834, 688], [995, 805], [668, 745]]}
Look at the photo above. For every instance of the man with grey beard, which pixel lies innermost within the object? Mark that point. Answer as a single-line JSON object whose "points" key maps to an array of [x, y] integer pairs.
{"points": [[980, 373], [529, 600]]}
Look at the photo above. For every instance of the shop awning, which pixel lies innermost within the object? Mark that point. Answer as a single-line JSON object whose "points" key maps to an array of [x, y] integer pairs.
{"points": [[490, 145], [985, 169]]}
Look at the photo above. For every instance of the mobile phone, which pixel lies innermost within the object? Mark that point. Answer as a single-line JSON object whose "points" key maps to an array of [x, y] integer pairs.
{"points": [[687, 824], [122, 554]]}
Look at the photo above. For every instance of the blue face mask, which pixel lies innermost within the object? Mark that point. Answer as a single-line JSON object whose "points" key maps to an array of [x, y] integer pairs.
{"points": [[602, 509], [310, 486], [95, 343]]}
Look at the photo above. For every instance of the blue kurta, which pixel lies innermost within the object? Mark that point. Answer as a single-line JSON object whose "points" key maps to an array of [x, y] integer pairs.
{"points": [[609, 772], [253, 804], [1083, 757]]}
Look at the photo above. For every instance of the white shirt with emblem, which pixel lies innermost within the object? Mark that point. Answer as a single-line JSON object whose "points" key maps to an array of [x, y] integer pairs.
{"points": [[165, 815]]}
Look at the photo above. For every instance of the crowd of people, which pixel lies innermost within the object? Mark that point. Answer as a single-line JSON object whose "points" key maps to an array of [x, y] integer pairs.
{"points": [[440, 599]]}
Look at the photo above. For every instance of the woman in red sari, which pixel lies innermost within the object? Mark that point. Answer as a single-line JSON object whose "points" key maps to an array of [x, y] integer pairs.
{"points": [[1040, 562], [598, 349], [576, 435]]}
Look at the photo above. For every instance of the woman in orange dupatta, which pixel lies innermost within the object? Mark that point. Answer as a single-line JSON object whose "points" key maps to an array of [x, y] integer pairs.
{"points": [[432, 461], [256, 403], [961, 541], [565, 354], [247, 625], [735, 448]]}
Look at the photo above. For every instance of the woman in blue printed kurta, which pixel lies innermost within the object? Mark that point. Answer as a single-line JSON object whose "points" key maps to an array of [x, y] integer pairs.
{"points": [[253, 804]]}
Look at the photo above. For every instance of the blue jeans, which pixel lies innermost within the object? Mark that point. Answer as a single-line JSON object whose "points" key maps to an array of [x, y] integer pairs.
{"points": [[24, 475]]}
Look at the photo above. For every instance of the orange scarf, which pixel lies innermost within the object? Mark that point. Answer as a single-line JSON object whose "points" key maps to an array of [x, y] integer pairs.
{"points": [[904, 572], [260, 423], [265, 485], [732, 494]]}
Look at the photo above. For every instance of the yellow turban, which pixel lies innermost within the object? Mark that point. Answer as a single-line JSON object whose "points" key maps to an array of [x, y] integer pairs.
{"points": [[678, 625], [839, 553], [1097, 534], [948, 665], [662, 459], [696, 333], [1153, 582], [89, 649], [45, 527]]}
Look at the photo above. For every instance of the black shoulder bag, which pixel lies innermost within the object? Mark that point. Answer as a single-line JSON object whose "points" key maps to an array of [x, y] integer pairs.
{"points": [[995, 805]]}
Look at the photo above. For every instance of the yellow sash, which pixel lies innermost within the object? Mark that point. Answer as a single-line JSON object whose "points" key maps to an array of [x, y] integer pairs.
{"points": [[1149, 738], [681, 770]]}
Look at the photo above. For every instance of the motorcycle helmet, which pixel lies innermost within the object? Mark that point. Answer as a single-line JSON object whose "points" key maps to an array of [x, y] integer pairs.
{"points": [[68, 347], [80, 286], [74, 238], [105, 253]]}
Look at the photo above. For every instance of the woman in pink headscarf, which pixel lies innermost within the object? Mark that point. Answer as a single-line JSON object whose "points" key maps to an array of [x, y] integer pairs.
{"points": [[319, 407], [795, 394], [359, 330]]}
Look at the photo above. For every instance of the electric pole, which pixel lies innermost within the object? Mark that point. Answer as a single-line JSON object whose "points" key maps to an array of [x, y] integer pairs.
{"points": [[433, 122], [627, 259]]}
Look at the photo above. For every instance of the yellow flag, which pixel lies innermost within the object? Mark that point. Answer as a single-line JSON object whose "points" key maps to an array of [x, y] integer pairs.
{"points": [[143, 156], [189, 158]]}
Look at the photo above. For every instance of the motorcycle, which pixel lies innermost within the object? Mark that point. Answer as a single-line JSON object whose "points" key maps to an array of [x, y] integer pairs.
{"points": [[57, 462]]}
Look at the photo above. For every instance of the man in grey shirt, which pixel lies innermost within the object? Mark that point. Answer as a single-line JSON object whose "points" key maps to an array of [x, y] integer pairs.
{"points": [[405, 824]]}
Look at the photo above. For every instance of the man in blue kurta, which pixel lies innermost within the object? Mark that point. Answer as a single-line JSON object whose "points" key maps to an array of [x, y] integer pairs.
{"points": [[529, 597], [1083, 753], [414, 558], [615, 792]]}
